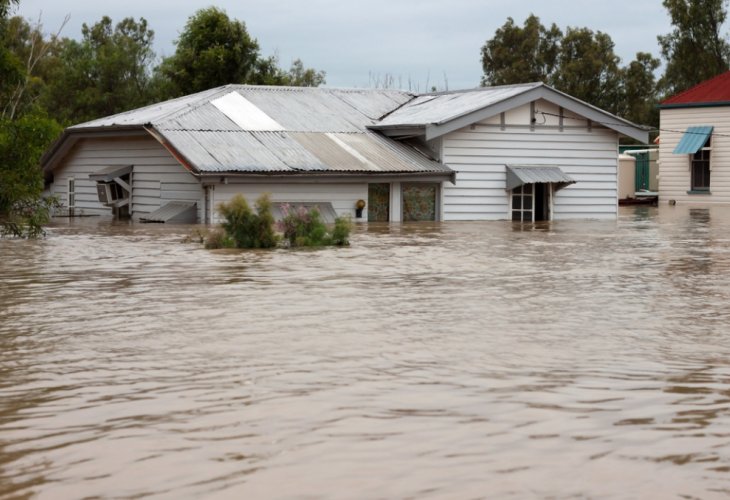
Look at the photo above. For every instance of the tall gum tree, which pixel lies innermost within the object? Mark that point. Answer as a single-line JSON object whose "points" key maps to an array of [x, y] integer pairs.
{"points": [[695, 50]]}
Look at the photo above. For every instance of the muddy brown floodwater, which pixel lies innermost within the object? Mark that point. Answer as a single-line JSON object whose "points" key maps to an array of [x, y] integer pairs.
{"points": [[459, 360]]}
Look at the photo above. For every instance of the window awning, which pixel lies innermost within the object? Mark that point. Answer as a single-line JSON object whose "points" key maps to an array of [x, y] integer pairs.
{"points": [[517, 175], [693, 140], [108, 174]]}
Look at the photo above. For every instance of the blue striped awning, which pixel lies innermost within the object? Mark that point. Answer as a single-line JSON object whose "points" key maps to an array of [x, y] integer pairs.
{"points": [[693, 140]]}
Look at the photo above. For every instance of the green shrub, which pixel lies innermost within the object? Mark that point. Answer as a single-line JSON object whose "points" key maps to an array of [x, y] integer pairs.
{"points": [[27, 216], [217, 238], [341, 231], [246, 228], [305, 228]]}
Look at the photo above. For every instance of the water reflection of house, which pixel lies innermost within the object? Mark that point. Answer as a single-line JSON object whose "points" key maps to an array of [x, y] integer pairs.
{"points": [[695, 144], [521, 152]]}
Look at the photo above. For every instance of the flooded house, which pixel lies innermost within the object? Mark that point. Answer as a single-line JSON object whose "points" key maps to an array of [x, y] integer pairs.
{"points": [[694, 149], [522, 152]]}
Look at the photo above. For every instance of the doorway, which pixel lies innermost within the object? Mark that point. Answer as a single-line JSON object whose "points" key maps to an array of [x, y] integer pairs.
{"points": [[379, 202], [532, 202]]}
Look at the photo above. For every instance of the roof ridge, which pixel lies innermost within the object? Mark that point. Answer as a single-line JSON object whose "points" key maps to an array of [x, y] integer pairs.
{"points": [[202, 101], [483, 89]]}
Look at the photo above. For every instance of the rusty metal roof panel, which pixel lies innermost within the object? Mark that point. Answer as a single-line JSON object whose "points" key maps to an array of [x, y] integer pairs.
{"points": [[442, 107], [330, 153], [386, 155], [287, 149]]}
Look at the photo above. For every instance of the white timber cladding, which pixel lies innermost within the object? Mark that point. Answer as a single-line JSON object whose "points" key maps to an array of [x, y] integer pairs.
{"points": [[156, 178], [342, 196], [479, 154], [674, 170]]}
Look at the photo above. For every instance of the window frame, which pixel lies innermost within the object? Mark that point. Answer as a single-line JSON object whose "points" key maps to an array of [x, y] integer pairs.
{"points": [[700, 181]]}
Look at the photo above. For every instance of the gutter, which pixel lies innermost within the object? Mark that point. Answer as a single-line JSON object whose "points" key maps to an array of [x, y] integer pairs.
{"points": [[312, 176], [716, 104]]}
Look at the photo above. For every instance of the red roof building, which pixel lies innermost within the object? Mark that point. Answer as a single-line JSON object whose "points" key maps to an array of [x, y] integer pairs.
{"points": [[712, 92]]}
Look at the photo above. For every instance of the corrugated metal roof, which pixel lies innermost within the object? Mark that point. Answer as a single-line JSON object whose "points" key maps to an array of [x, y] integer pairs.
{"points": [[693, 140], [714, 90], [517, 175], [244, 113], [180, 211], [240, 128], [152, 113], [440, 108]]}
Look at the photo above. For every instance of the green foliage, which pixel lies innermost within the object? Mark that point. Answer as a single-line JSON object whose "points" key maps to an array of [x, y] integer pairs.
{"points": [[639, 93], [341, 231], [22, 142], [215, 50], [246, 228], [5, 6], [695, 50], [580, 62], [27, 217], [305, 228], [212, 50], [107, 72], [521, 55], [588, 68]]}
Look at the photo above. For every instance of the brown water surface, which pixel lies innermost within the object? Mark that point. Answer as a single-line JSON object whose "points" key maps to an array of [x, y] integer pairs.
{"points": [[475, 360]]}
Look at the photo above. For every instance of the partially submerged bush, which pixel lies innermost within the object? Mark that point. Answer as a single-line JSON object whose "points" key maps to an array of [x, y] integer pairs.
{"points": [[26, 217], [246, 228], [301, 227], [217, 238], [305, 228]]}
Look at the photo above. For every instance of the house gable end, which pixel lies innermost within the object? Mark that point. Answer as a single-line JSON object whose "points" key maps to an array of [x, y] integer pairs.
{"points": [[434, 131]]}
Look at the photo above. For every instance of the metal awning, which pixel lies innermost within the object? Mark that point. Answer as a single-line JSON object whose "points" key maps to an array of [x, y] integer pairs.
{"points": [[693, 140], [108, 174], [517, 175], [326, 210], [174, 211]]}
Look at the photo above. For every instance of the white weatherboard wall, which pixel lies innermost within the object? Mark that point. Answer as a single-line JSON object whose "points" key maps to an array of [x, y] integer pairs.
{"points": [[156, 177], [674, 170], [479, 154], [343, 196]]}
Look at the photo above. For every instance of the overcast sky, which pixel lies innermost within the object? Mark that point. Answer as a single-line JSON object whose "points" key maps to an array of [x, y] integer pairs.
{"points": [[358, 42]]}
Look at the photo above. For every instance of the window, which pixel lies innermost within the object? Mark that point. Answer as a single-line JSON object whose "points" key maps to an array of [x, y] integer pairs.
{"points": [[71, 195], [522, 203], [700, 168]]}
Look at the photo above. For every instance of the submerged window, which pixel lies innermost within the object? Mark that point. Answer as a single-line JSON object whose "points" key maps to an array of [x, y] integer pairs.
{"points": [[700, 166], [71, 194], [523, 203]]}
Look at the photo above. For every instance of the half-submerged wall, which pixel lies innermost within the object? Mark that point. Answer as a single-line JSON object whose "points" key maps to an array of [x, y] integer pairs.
{"points": [[157, 177], [674, 170], [479, 153]]}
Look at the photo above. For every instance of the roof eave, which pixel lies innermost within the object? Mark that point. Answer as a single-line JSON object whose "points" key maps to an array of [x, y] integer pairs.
{"points": [[332, 175], [679, 105]]}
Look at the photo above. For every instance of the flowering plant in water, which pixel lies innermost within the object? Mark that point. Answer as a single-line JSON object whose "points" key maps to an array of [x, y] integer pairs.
{"points": [[304, 227], [301, 227]]}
